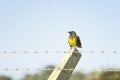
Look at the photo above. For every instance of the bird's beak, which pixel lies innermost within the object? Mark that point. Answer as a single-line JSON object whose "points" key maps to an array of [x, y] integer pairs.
{"points": [[69, 32]]}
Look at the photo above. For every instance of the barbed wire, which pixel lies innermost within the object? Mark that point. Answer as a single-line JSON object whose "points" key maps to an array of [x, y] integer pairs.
{"points": [[30, 69], [30, 52], [42, 69], [57, 52]]}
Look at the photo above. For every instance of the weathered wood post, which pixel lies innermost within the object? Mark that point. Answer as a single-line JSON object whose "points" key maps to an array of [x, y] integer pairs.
{"points": [[66, 66]]}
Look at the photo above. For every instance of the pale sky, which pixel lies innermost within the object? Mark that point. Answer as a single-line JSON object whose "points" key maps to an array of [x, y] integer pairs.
{"points": [[29, 25]]}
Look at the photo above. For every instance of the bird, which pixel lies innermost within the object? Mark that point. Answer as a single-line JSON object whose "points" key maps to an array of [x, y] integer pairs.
{"points": [[74, 40]]}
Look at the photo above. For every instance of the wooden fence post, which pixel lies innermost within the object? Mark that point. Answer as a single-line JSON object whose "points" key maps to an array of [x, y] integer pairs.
{"points": [[66, 66]]}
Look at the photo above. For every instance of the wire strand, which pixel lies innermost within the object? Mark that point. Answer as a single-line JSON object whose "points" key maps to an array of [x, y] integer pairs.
{"points": [[42, 69], [57, 52]]}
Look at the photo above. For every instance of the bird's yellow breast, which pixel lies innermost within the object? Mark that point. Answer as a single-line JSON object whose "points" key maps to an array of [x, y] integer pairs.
{"points": [[72, 41]]}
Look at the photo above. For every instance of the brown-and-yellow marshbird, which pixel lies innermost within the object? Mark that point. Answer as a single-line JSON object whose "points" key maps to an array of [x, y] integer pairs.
{"points": [[74, 40]]}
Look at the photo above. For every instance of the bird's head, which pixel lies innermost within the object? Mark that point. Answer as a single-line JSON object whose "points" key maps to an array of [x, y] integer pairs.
{"points": [[72, 33]]}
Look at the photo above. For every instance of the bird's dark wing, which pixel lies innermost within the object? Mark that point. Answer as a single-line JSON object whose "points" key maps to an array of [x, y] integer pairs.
{"points": [[79, 42]]}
